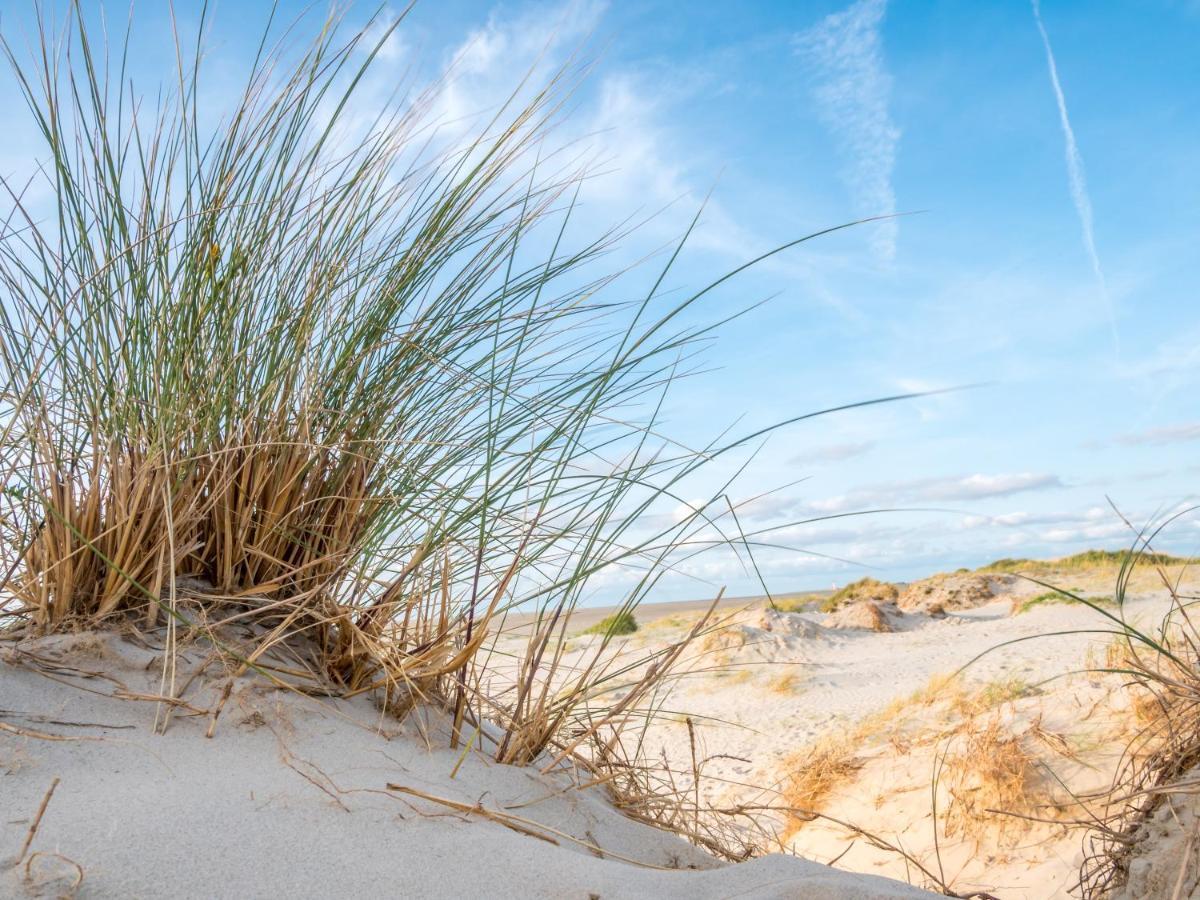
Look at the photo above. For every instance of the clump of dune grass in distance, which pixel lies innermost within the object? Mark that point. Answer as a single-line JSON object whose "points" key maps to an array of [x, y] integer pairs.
{"points": [[1086, 560], [1025, 604], [863, 589], [618, 624], [794, 603]]}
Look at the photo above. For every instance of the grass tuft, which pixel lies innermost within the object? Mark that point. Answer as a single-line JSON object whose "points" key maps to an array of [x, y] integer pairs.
{"points": [[796, 603], [618, 624], [1049, 598], [307, 366], [992, 778], [863, 589], [817, 771]]}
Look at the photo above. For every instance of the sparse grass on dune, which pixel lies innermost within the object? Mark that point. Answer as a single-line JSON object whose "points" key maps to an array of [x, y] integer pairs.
{"points": [[992, 777], [1161, 665], [863, 589], [815, 772], [1003, 690], [786, 682], [1050, 598], [958, 697], [795, 603]]}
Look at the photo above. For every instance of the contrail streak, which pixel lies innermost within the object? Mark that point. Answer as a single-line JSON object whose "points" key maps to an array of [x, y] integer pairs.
{"points": [[1075, 176]]}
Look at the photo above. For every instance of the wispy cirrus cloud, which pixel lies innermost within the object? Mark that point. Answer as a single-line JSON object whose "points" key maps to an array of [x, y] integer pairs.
{"points": [[1168, 434], [938, 490], [914, 492], [1076, 178], [832, 452], [620, 131], [852, 90]]}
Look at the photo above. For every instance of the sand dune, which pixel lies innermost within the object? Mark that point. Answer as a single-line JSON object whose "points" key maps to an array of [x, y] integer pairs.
{"points": [[778, 711], [299, 797], [770, 689]]}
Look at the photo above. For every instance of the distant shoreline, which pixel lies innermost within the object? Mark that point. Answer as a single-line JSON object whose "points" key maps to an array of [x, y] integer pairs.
{"points": [[585, 617]]}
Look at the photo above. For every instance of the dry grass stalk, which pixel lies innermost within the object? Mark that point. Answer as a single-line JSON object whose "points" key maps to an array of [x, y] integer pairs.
{"points": [[992, 776], [37, 821], [37, 884], [818, 769], [519, 824]]}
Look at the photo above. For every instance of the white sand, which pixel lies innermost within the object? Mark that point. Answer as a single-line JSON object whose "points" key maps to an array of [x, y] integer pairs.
{"points": [[290, 798], [769, 685], [1163, 864]]}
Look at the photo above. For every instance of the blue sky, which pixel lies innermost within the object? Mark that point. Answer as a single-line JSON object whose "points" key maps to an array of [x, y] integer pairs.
{"points": [[1062, 282]]}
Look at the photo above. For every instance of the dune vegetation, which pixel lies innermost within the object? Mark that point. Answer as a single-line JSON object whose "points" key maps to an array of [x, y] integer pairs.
{"points": [[619, 623], [863, 589], [1087, 560], [319, 394], [317, 369], [1140, 845]]}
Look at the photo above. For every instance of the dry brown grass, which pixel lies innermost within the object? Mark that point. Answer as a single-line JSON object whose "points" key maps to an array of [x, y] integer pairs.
{"points": [[1163, 743], [941, 686], [721, 642], [817, 770], [992, 776], [970, 703], [274, 397], [986, 768], [833, 759], [786, 682]]}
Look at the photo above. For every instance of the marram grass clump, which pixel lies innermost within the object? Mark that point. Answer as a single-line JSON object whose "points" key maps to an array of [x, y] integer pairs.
{"points": [[1057, 598], [310, 365], [618, 624]]}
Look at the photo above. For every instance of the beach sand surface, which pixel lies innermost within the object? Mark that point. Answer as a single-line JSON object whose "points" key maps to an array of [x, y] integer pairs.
{"points": [[304, 797]]}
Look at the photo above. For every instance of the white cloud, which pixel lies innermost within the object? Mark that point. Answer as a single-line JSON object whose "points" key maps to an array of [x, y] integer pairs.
{"points": [[618, 129], [916, 492], [974, 487], [936, 490], [852, 91], [1097, 532], [487, 66], [1007, 520], [1023, 519]]}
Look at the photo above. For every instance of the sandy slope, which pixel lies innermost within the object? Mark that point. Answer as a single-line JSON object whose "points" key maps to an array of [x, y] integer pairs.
{"points": [[291, 798], [769, 686]]}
